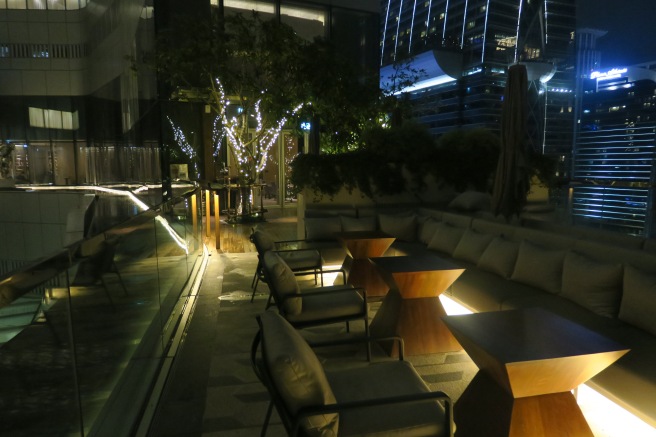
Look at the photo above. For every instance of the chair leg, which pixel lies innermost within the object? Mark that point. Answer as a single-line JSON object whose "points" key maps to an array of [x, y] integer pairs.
{"points": [[269, 301], [266, 419], [348, 327], [120, 279], [366, 333]]}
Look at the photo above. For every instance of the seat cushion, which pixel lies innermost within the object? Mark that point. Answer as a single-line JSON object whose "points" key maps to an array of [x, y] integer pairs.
{"points": [[338, 305], [301, 259], [392, 378], [297, 374]]}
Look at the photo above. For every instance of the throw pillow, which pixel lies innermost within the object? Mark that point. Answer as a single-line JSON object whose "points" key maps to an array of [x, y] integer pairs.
{"points": [[638, 305], [352, 224], [539, 267], [446, 238], [471, 245], [323, 228], [402, 227], [471, 201], [297, 373], [499, 257], [593, 285], [283, 283], [427, 229]]}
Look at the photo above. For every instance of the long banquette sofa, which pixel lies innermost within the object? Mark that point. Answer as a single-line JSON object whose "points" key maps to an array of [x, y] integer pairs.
{"points": [[605, 281]]}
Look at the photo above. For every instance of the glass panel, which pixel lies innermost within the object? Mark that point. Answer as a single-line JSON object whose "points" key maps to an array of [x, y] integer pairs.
{"points": [[308, 22], [40, 159], [37, 367], [83, 332], [21, 164], [72, 4], [36, 4], [16, 4], [64, 163], [56, 4], [3, 4], [265, 9]]}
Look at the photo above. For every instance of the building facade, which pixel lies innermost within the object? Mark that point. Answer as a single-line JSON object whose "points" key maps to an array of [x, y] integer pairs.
{"points": [[465, 47], [615, 152], [79, 102], [76, 103]]}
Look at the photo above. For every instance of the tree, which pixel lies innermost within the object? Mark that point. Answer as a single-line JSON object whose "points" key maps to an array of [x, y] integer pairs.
{"points": [[246, 70]]}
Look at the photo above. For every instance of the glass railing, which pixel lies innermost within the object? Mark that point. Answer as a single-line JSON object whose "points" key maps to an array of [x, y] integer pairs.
{"points": [[83, 332]]}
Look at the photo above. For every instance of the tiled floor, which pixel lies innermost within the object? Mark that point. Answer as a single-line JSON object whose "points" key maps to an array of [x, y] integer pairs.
{"points": [[212, 390]]}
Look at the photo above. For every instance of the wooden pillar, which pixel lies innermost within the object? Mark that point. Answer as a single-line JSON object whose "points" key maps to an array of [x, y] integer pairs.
{"points": [[217, 221], [194, 216], [208, 225]]}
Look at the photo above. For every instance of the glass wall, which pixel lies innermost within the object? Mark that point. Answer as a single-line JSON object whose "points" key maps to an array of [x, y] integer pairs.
{"points": [[84, 330]]}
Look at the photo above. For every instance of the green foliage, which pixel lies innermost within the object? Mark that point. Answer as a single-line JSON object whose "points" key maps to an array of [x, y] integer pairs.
{"points": [[469, 158], [461, 159]]}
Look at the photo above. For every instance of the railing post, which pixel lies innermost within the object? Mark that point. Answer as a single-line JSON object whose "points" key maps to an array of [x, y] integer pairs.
{"points": [[194, 217]]}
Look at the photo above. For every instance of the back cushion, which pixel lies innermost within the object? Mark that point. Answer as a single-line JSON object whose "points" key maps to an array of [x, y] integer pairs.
{"points": [[471, 201], [446, 238], [499, 257], [402, 227], [263, 242], [427, 228], [539, 267], [297, 374], [593, 285], [283, 282], [322, 228], [352, 224], [471, 245], [638, 306]]}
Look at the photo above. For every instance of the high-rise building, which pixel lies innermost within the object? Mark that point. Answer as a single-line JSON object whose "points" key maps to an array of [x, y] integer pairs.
{"points": [[465, 47], [615, 151]]}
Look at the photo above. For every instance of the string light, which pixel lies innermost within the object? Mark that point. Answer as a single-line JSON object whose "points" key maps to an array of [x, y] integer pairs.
{"points": [[250, 154], [187, 149]]}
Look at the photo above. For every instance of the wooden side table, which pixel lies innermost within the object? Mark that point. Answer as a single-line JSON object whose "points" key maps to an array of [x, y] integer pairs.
{"points": [[412, 308], [360, 246], [530, 360]]}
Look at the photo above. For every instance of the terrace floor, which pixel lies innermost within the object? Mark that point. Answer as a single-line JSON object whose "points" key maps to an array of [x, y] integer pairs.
{"points": [[212, 390]]}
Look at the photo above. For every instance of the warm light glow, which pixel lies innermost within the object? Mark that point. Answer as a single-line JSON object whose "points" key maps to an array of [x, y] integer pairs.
{"points": [[140, 204], [607, 419]]}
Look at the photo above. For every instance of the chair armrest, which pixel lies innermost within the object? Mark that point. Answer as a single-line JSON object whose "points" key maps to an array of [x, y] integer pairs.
{"points": [[354, 339], [354, 405]]}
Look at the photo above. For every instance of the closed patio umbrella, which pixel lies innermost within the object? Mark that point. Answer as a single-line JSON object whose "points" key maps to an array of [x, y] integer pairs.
{"points": [[511, 182]]}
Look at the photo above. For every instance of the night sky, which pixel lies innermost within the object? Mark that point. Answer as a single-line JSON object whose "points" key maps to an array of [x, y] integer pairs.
{"points": [[631, 26]]}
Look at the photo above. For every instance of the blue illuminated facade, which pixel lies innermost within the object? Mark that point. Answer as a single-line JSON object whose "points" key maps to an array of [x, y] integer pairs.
{"points": [[615, 151]]}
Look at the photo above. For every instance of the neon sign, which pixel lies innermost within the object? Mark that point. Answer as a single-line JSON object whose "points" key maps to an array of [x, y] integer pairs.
{"points": [[610, 74]]}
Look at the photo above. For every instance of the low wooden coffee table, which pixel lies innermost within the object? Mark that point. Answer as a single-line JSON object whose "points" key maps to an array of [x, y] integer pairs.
{"points": [[530, 360], [412, 307], [360, 246]]}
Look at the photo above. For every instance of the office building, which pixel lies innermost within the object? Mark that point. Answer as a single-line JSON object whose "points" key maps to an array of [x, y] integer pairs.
{"points": [[465, 47], [615, 148]]}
